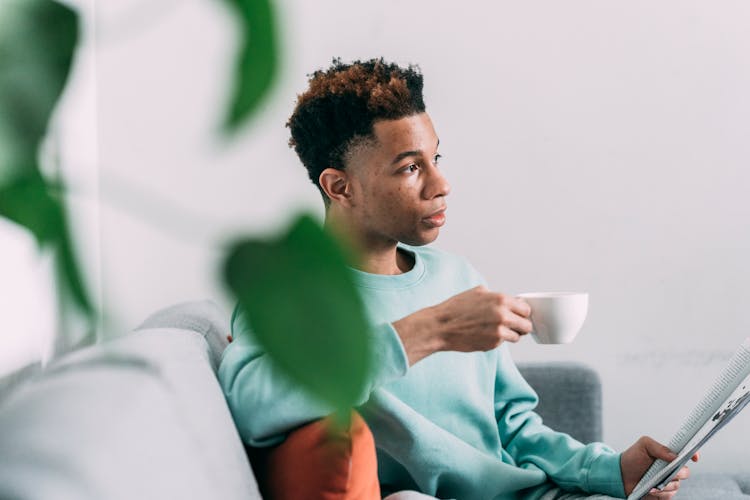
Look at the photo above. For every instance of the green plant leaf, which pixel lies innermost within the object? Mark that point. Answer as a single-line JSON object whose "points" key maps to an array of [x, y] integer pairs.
{"points": [[38, 39], [37, 43], [303, 307], [257, 62], [28, 201]]}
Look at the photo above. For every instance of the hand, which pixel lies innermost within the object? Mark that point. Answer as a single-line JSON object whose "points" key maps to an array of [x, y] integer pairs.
{"points": [[638, 458], [475, 320], [479, 320]]}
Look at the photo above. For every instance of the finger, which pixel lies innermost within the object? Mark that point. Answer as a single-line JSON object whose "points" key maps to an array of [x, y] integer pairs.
{"points": [[672, 486], [519, 306], [683, 474], [660, 494], [517, 323], [509, 335], [658, 450]]}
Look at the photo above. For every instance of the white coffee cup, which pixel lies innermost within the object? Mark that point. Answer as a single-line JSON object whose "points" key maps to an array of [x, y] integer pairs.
{"points": [[556, 317]]}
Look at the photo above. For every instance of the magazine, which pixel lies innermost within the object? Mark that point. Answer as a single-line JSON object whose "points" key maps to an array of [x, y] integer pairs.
{"points": [[726, 398]]}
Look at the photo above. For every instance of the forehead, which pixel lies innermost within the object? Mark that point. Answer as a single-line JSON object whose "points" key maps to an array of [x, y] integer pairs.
{"points": [[411, 133]]}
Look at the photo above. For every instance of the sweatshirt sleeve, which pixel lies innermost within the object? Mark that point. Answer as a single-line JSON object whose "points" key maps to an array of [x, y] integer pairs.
{"points": [[266, 405], [573, 466]]}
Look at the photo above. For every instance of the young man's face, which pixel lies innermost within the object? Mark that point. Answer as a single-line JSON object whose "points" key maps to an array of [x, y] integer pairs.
{"points": [[398, 192]]}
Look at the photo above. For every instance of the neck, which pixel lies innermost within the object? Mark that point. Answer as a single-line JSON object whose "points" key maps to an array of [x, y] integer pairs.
{"points": [[373, 256], [388, 261]]}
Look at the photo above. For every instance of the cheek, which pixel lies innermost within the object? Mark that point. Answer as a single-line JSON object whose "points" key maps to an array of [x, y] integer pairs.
{"points": [[399, 206], [393, 199], [391, 204]]}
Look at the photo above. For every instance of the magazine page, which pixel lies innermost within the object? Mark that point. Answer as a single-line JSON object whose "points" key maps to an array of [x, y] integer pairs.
{"points": [[726, 388]]}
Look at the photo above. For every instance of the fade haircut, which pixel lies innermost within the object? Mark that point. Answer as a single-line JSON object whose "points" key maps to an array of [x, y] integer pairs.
{"points": [[337, 111]]}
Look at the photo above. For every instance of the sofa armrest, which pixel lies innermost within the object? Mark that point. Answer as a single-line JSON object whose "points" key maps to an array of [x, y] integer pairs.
{"points": [[570, 397], [138, 416], [203, 317]]}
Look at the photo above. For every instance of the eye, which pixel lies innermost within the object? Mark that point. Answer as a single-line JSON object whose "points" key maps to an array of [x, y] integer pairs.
{"points": [[411, 168], [436, 158]]}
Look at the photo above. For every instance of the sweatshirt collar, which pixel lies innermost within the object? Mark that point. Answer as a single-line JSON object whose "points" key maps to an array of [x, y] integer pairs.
{"points": [[393, 281]]}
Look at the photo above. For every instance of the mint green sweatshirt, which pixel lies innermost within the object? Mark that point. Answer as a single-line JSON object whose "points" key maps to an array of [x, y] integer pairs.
{"points": [[454, 425]]}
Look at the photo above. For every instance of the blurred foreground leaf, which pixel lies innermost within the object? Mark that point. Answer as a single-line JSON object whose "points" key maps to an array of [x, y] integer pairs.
{"points": [[256, 65], [304, 309], [26, 201], [37, 43]]}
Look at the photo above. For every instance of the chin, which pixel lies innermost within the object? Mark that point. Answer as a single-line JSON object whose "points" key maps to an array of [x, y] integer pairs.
{"points": [[419, 240]]}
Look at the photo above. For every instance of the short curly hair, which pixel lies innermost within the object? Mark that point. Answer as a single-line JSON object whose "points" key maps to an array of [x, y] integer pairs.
{"points": [[342, 103]]}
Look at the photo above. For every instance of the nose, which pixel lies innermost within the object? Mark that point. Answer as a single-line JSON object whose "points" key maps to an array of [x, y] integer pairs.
{"points": [[437, 184]]}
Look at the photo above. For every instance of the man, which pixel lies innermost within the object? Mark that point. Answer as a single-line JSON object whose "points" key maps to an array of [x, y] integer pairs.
{"points": [[450, 413]]}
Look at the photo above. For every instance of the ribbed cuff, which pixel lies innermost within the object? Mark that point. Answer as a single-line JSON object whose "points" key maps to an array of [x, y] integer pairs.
{"points": [[605, 476]]}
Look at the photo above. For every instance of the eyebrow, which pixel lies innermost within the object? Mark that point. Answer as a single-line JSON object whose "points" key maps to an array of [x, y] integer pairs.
{"points": [[406, 154]]}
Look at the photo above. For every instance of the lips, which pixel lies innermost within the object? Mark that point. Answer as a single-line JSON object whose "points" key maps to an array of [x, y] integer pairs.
{"points": [[436, 219]]}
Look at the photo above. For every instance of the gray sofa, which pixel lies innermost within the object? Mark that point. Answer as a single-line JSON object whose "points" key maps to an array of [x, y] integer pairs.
{"points": [[143, 416]]}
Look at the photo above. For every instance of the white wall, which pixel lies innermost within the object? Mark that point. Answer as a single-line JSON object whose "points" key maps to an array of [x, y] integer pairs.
{"points": [[590, 145], [26, 300]]}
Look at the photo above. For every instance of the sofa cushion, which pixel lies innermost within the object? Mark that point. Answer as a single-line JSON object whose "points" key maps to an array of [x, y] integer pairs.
{"points": [[704, 486], [320, 462], [142, 416]]}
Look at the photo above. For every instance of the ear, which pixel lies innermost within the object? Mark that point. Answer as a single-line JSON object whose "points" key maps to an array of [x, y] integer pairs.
{"points": [[337, 186]]}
